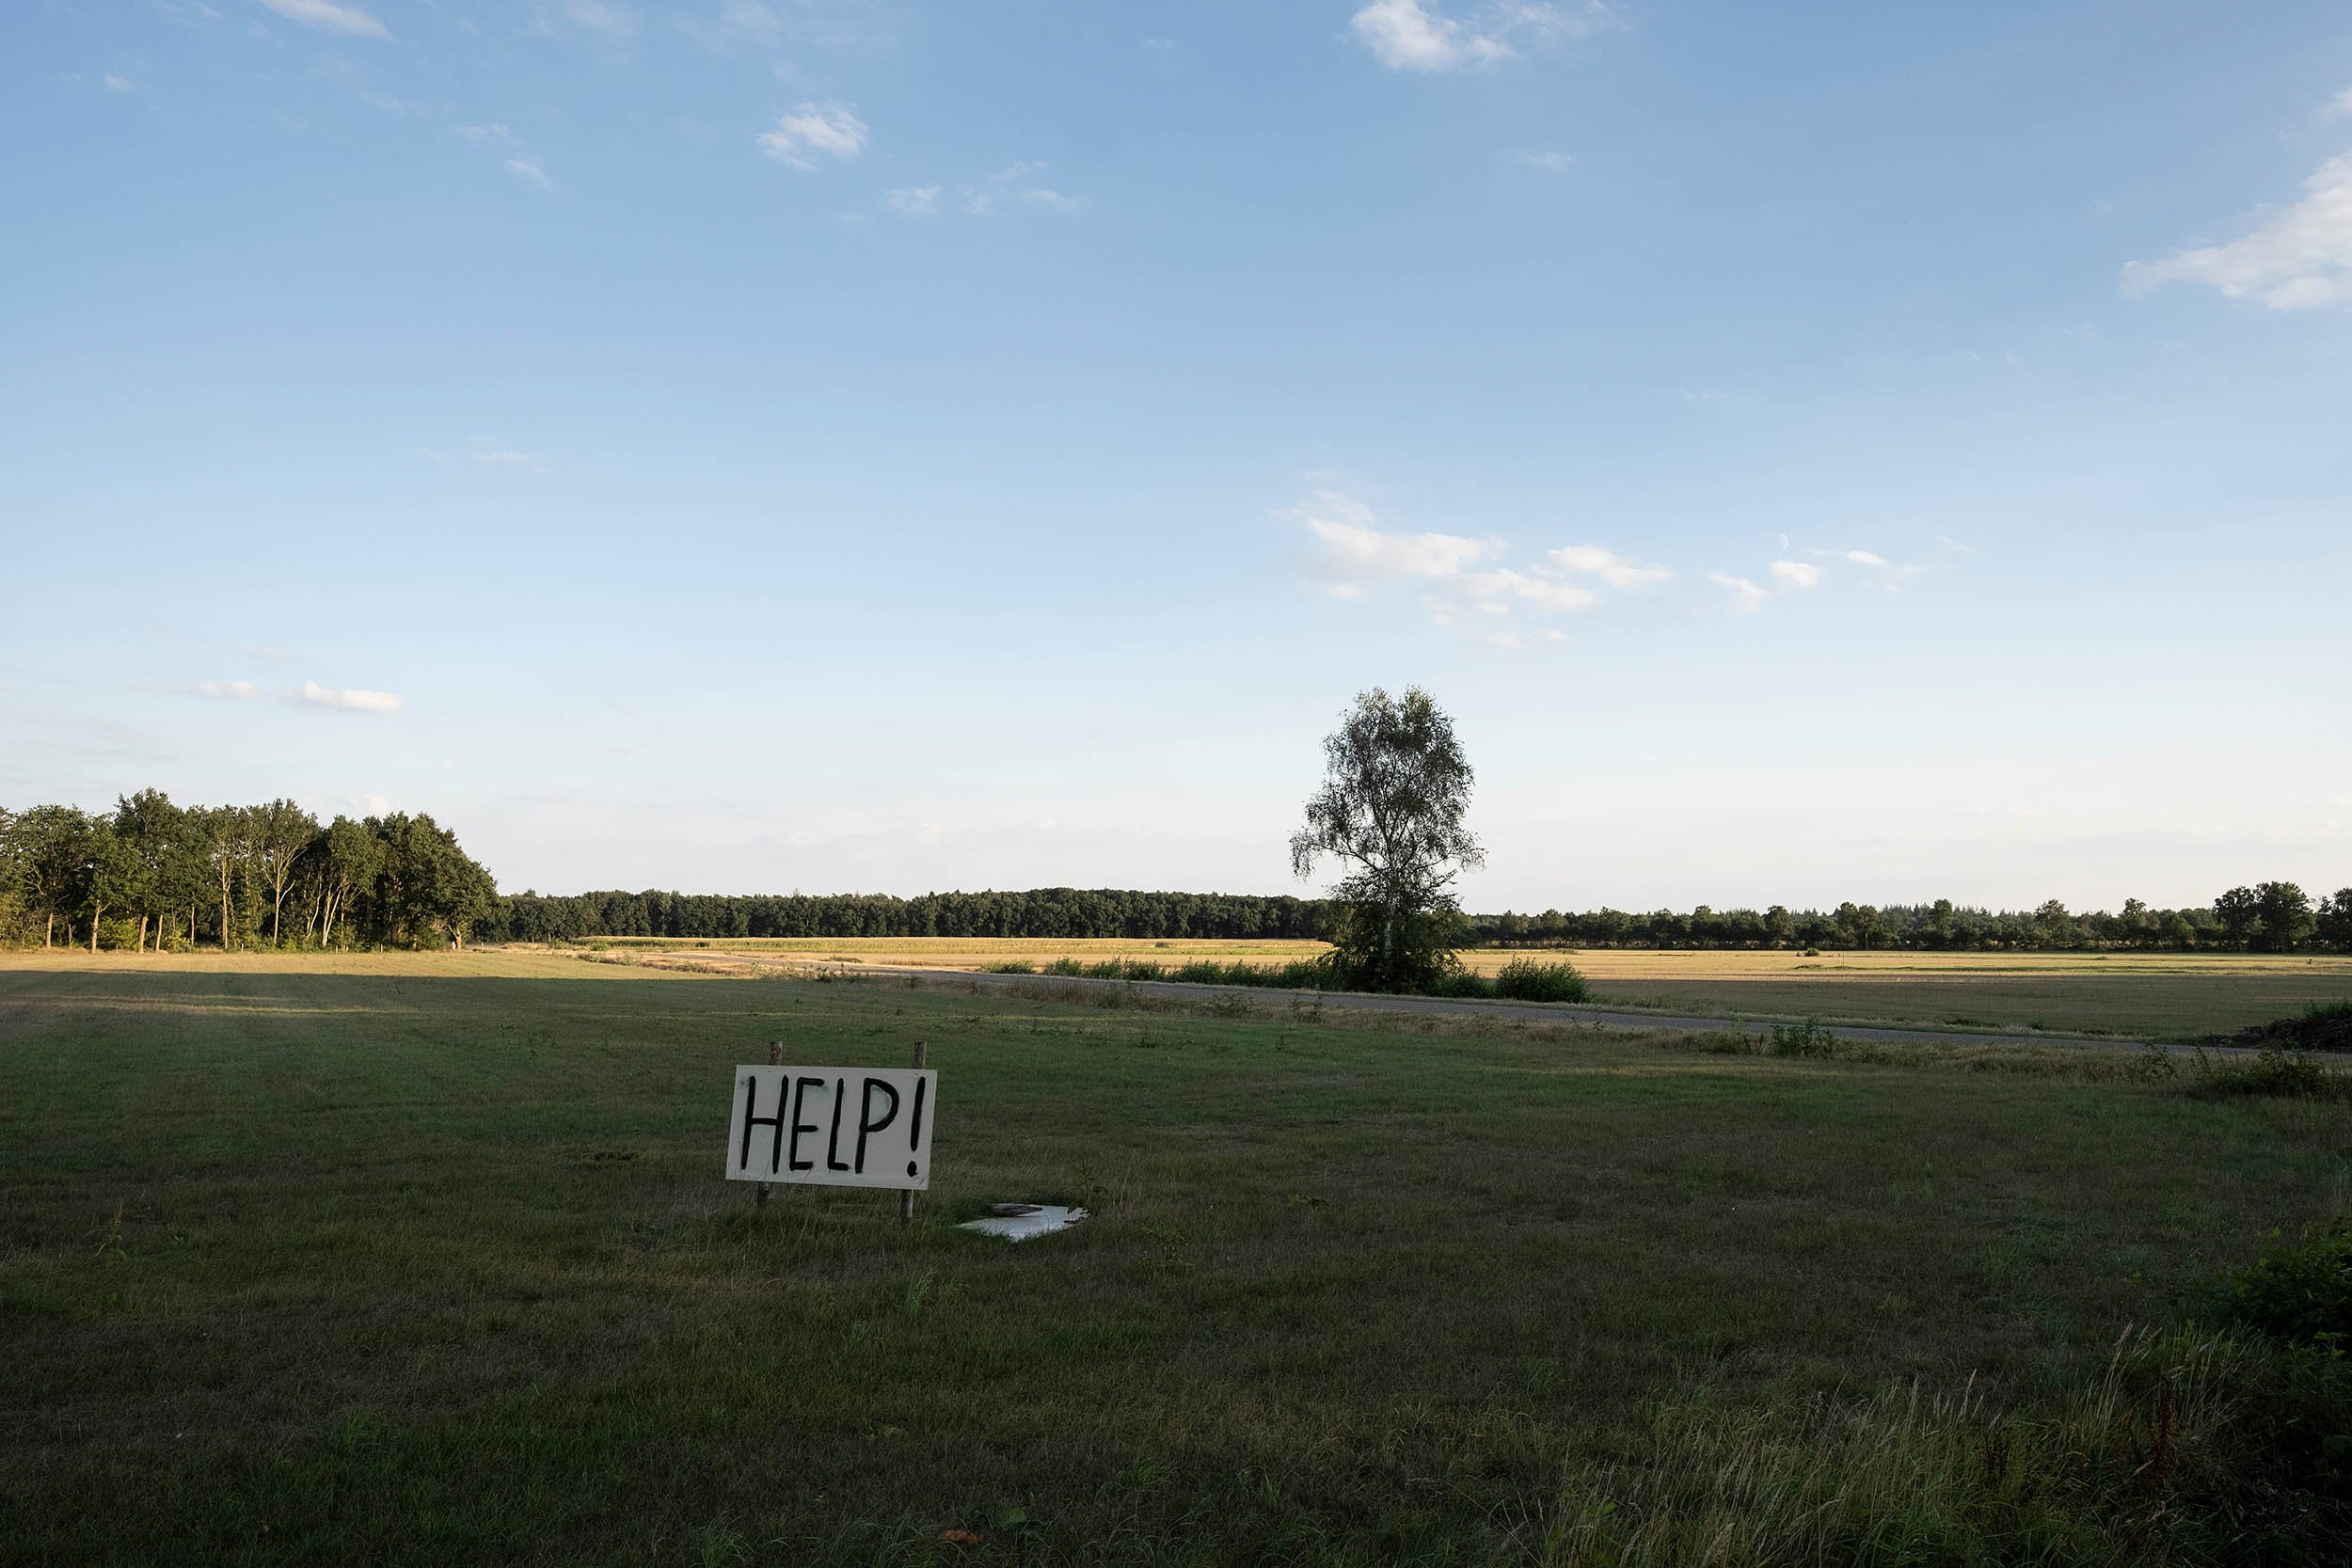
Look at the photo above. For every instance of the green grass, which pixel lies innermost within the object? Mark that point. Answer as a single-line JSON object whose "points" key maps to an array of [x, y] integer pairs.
{"points": [[431, 1262]]}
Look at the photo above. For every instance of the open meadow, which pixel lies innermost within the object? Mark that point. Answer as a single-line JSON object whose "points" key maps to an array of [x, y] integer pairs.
{"points": [[2171, 996], [428, 1259]]}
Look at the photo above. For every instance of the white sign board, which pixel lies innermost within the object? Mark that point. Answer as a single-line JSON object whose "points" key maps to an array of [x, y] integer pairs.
{"points": [[837, 1127]]}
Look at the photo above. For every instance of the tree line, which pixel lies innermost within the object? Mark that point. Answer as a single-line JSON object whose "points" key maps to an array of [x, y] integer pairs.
{"points": [[152, 874], [1053, 911], [2268, 917]]}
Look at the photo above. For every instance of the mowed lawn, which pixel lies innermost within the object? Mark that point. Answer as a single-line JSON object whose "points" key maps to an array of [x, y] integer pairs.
{"points": [[2171, 996], [428, 1259]]}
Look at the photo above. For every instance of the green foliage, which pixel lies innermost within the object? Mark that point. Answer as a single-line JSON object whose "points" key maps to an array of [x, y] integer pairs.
{"points": [[2300, 1292], [2273, 1072], [1013, 966], [1525, 980], [1396, 788]]}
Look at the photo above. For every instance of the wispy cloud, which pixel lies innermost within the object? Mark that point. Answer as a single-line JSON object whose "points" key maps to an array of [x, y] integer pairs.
{"points": [[345, 699], [2292, 260], [524, 165], [2341, 103], [240, 690], [1353, 549], [1459, 579], [1859, 558], [327, 16], [1745, 595], [612, 21], [814, 130], [1550, 162], [508, 458], [750, 22], [1489, 591], [118, 83], [1416, 35], [1796, 574], [914, 201], [1608, 566], [1014, 188], [494, 133]]}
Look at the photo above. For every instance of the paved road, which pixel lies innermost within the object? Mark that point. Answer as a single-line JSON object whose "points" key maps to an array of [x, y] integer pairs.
{"points": [[1549, 1012]]}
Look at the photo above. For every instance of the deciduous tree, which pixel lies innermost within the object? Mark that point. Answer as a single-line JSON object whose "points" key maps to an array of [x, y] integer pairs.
{"points": [[1396, 788]]}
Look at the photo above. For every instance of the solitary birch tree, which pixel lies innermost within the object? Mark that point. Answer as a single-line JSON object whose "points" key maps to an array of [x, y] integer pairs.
{"points": [[1396, 787]]}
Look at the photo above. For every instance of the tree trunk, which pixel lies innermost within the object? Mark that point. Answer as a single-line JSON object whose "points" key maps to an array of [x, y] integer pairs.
{"points": [[159, 936], [98, 912], [48, 929]]}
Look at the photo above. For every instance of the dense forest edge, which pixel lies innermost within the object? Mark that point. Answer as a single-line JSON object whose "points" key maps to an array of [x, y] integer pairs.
{"points": [[152, 874]]}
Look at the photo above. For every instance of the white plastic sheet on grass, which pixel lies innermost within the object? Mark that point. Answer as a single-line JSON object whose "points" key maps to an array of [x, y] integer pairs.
{"points": [[1020, 1221]]}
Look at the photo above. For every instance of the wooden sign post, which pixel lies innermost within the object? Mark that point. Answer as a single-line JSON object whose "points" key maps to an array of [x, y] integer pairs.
{"points": [[906, 1199]]}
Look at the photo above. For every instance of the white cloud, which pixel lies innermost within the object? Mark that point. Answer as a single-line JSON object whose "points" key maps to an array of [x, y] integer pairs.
{"points": [[1796, 574], [1415, 35], [2291, 260], [493, 134], [348, 699], [370, 805], [510, 459], [1745, 595], [1550, 162], [1608, 566], [1353, 549], [611, 20], [1504, 583], [226, 688], [1010, 187], [751, 21], [119, 83], [1860, 557], [530, 168], [830, 128], [329, 17], [1461, 578], [2341, 103], [914, 201]]}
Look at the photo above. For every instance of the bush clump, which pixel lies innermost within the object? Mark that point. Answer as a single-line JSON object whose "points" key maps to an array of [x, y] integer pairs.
{"points": [[1525, 980], [2282, 1074], [2300, 1292]]}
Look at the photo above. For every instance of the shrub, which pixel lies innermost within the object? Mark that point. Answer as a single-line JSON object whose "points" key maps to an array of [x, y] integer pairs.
{"points": [[1013, 966], [2286, 1074], [2299, 1291], [1200, 972], [1525, 980], [1067, 968], [1460, 985]]}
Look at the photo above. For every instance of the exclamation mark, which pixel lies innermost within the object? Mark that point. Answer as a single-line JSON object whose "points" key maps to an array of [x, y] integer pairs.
{"points": [[915, 1135]]}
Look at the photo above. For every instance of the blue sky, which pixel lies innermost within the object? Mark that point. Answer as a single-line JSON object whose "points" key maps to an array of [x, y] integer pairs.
{"points": [[1849, 451]]}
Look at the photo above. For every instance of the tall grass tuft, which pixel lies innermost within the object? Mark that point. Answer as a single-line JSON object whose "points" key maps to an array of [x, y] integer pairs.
{"points": [[2156, 1461]]}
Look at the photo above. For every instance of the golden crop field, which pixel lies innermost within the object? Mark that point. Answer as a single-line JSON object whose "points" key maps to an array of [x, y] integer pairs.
{"points": [[2168, 995]]}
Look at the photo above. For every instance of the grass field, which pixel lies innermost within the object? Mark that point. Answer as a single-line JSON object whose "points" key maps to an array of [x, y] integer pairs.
{"points": [[2172, 996], [428, 1259]]}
